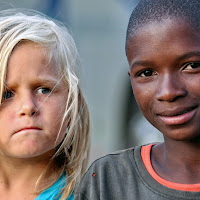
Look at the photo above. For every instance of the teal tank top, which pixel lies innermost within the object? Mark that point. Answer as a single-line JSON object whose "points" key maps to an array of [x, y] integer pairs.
{"points": [[52, 192]]}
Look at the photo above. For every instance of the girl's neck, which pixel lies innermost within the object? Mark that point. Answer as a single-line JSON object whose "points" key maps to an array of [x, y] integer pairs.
{"points": [[23, 174]]}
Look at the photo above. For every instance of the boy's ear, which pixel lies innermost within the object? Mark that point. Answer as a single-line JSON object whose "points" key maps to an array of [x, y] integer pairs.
{"points": [[129, 73]]}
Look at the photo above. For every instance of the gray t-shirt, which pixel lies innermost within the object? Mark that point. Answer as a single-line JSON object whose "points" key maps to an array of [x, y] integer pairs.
{"points": [[123, 176]]}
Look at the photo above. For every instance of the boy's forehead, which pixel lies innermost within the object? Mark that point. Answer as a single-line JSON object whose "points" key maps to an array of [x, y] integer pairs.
{"points": [[145, 34], [157, 36], [162, 28], [156, 10], [163, 25]]}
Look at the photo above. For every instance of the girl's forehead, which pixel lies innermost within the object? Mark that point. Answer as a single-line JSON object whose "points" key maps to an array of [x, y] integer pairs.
{"points": [[46, 54], [31, 58]]}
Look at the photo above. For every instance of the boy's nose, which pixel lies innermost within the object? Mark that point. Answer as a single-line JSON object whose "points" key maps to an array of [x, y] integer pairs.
{"points": [[27, 106], [170, 88]]}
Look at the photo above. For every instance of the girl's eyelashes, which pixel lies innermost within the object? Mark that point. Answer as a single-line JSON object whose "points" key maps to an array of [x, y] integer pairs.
{"points": [[7, 94], [192, 65], [44, 90]]}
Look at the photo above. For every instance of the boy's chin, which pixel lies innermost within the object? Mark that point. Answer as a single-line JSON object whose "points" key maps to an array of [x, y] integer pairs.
{"points": [[181, 135]]}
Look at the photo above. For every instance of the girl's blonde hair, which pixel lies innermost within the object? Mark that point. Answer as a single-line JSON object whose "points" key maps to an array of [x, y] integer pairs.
{"points": [[18, 26]]}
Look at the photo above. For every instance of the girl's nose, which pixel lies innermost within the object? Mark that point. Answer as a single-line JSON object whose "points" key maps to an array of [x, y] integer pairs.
{"points": [[27, 106], [170, 88]]}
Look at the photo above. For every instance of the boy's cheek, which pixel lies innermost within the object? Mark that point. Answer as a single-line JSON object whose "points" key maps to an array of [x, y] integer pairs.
{"points": [[143, 97], [146, 104]]}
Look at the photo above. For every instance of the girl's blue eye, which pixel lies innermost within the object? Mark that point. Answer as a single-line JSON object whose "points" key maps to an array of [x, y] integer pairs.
{"points": [[44, 90], [7, 94]]}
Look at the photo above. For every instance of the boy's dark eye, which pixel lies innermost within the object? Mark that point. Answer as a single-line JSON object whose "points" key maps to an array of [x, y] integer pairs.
{"points": [[7, 94], [146, 73], [44, 90], [192, 65]]}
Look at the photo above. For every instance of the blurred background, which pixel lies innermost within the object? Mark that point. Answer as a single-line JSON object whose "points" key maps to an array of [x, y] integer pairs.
{"points": [[99, 30]]}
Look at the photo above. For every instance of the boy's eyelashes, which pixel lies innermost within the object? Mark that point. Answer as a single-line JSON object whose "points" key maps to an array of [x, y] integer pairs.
{"points": [[151, 72], [191, 65], [146, 73]]}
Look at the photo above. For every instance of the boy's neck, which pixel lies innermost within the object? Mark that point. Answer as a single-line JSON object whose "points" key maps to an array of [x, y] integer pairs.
{"points": [[177, 161]]}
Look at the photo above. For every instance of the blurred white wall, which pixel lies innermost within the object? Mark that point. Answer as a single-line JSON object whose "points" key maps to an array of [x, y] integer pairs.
{"points": [[100, 28]]}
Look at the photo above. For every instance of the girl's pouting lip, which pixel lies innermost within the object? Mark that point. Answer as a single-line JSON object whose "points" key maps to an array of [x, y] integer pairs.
{"points": [[33, 104], [28, 129], [44, 118]]}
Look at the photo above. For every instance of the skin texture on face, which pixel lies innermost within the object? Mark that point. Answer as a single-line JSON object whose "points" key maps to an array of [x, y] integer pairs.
{"points": [[33, 105], [164, 59]]}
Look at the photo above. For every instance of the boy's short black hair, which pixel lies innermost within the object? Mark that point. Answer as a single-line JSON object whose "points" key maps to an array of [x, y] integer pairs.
{"points": [[155, 10]]}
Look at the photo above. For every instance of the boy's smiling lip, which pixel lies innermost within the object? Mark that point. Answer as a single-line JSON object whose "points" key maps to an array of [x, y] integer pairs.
{"points": [[178, 116]]}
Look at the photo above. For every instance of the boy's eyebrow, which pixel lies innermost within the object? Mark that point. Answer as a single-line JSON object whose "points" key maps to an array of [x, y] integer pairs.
{"points": [[141, 63], [189, 55], [182, 57]]}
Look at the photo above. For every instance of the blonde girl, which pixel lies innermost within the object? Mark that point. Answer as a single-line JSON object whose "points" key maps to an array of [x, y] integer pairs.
{"points": [[44, 119]]}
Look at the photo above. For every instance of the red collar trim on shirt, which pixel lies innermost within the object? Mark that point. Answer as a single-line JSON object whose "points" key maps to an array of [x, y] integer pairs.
{"points": [[145, 154]]}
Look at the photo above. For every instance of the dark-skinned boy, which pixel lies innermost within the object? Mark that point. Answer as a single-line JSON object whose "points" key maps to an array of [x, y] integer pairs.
{"points": [[163, 51]]}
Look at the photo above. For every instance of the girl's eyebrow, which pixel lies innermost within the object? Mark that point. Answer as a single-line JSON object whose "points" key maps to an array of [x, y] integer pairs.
{"points": [[48, 80], [41, 80]]}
